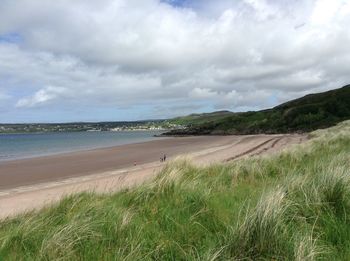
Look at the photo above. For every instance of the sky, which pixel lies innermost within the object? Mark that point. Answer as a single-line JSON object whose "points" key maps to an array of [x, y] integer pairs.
{"points": [[113, 60]]}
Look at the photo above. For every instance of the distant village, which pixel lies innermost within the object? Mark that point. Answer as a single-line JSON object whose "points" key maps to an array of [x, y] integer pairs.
{"points": [[90, 127]]}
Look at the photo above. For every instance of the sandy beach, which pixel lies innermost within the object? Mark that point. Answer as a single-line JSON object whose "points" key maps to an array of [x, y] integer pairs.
{"points": [[30, 184]]}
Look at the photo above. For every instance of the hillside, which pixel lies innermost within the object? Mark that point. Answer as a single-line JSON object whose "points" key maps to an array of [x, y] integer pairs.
{"points": [[201, 118], [291, 206], [305, 114]]}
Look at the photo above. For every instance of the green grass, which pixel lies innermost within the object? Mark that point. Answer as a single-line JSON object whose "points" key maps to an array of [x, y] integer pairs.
{"points": [[291, 206]]}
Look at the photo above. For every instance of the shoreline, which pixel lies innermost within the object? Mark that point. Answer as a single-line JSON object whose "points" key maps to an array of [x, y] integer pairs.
{"points": [[18, 196], [50, 150], [46, 168], [69, 152]]}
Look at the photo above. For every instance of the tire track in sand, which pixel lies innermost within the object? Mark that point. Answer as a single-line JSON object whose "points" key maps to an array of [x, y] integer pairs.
{"points": [[257, 149]]}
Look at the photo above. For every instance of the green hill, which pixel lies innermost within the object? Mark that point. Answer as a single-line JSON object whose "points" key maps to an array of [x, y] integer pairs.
{"points": [[308, 113], [201, 118]]}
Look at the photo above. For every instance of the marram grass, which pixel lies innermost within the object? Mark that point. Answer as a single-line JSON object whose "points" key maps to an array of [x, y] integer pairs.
{"points": [[291, 206]]}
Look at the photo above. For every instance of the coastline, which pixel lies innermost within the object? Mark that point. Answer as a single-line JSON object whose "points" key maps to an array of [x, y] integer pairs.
{"points": [[31, 184], [33, 145], [29, 171]]}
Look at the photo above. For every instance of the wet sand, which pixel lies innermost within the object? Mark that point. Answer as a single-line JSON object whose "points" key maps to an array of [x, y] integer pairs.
{"points": [[52, 168]]}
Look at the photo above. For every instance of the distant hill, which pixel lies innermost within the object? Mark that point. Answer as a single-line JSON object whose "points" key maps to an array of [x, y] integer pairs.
{"points": [[313, 111], [201, 118]]}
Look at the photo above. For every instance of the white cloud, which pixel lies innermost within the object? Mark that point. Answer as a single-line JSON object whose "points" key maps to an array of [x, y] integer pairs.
{"points": [[199, 93], [119, 53], [41, 97], [325, 11]]}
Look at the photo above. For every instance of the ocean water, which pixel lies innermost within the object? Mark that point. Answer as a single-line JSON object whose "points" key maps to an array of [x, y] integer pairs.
{"points": [[18, 146]]}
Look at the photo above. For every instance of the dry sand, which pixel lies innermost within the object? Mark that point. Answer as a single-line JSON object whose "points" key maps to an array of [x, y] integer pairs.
{"points": [[30, 184]]}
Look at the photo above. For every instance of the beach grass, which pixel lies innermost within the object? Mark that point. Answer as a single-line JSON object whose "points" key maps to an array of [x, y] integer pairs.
{"points": [[294, 205]]}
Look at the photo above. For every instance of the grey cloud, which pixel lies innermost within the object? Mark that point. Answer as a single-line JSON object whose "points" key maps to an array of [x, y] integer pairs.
{"points": [[233, 54]]}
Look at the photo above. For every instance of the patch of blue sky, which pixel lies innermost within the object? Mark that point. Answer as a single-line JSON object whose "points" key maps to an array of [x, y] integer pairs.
{"points": [[193, 4], [12, 37], [273, 100], [177, 3]]}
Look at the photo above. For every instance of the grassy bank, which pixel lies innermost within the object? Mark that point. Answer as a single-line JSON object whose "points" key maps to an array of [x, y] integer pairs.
{"points": [[305, 114], [291, 206]]}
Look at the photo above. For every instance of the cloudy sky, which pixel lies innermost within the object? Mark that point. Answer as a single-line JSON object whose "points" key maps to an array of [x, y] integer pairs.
{"points": [[89, 60]]}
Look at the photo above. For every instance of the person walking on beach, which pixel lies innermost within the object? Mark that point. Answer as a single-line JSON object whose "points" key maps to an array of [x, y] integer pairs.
{"points": [[164, 158]]}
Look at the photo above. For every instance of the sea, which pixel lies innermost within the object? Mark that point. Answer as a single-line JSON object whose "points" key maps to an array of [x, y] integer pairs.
{"points": [[29, 145]]}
